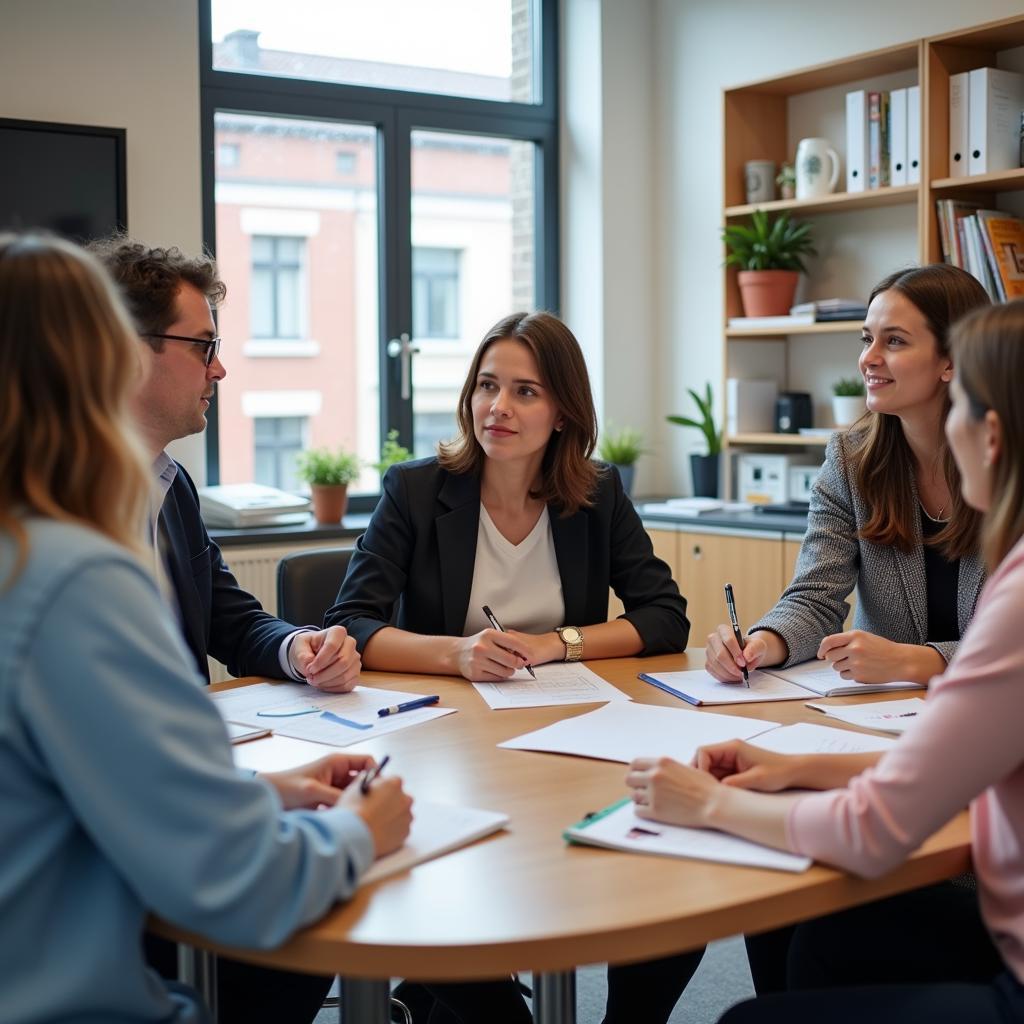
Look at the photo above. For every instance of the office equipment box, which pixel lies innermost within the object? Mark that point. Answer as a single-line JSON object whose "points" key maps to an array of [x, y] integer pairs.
{"points": [[763, 479]]}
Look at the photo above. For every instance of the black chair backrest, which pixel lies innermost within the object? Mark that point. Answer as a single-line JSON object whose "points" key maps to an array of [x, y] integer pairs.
{"points": [[308, 583]]}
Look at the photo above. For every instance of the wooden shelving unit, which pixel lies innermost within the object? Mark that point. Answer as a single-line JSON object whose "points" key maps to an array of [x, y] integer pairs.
{"points": [[756, 126]]}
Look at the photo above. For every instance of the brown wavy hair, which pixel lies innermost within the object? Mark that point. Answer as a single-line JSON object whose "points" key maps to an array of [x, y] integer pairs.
{"points": [[988, 347], [568, 476], [69, 362], [882, 462]]}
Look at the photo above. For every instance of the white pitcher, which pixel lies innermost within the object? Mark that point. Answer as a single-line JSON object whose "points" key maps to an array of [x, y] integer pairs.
{"points": [[811, 158]]}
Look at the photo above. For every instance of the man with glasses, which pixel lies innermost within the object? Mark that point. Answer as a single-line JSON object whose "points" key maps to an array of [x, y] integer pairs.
{"points": [[171, 297]]}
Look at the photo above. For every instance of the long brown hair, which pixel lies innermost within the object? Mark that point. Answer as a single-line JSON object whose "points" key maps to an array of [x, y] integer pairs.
{"points": [[568, 477], [69, 362], [882, 461], [988, 347]]}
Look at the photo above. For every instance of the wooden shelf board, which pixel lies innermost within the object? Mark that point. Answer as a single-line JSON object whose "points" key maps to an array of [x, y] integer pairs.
{"points": [[998, 181], [837, 202], [830, 327], [824, 76], [996, 35], [789, 440]]}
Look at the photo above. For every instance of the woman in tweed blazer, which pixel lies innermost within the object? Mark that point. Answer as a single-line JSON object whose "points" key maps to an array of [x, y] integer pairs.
{"points": [[886, 515]]}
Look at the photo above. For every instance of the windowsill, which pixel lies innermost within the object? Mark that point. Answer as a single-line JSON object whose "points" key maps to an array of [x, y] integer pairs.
{"points": [[281, 348]]}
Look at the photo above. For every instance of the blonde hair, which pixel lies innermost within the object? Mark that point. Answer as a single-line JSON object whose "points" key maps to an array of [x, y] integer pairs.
{"points": [[988, 349], [69, 364]]}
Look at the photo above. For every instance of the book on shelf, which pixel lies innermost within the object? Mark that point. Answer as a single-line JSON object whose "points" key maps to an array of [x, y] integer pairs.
{"points": [[1004, 236], [986, 243], [755, 323], [832, 310]]}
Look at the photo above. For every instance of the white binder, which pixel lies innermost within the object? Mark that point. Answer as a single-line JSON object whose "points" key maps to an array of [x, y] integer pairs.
{"points": [[898, 137], [996, 99], [750, 405], [856, 141], [914, 135], [958, 86]]}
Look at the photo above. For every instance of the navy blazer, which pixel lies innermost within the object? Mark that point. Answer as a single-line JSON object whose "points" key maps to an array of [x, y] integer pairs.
{"points": [[217, 616], [420, 551]]}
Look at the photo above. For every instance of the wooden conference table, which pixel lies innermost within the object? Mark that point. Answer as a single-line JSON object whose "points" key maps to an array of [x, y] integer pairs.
{"points": [[525, 900]]}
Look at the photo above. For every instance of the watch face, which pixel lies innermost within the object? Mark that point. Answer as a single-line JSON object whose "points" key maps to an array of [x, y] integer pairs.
{"points": [[571, 635]]}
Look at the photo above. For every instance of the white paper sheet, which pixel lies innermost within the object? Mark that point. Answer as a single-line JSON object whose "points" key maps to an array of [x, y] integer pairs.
{"points": [[886, 715], [804, 738], [697, 686], [556, 684], [819, 677], [622, 829], [436, 829], [244, 705], [621, 731]]}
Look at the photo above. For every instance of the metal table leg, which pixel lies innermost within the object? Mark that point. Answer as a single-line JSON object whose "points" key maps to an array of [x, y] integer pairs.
{"points": [[365, 1002], [554, 998], [198, 968]]}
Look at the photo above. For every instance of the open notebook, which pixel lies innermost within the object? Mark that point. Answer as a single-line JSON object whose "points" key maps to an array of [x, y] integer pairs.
{"points": [[793, 683]]}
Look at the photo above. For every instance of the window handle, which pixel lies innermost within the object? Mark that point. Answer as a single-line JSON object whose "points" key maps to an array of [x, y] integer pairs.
{"points": [[402, 348]]}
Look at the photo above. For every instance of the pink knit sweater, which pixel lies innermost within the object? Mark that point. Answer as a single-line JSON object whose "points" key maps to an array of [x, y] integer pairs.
{"points": [[967, 748]]}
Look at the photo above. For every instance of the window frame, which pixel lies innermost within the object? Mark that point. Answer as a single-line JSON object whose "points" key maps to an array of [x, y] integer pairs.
{"points": [[395, 114]]}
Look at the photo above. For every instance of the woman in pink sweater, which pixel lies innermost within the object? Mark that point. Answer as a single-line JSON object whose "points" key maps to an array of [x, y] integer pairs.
{"points": [[941, 954]]}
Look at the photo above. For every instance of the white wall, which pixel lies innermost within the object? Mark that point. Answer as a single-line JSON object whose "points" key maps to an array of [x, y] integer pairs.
{"points": [[699, 49], [130, 64]]}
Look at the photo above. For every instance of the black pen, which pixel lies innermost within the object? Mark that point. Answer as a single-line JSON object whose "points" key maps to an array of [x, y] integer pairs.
{"points": [[495, 624], [368, 777], [731, 604]]}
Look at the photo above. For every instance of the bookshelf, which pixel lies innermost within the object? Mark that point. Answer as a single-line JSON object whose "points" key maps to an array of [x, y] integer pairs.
{"points": [[765, 119]]}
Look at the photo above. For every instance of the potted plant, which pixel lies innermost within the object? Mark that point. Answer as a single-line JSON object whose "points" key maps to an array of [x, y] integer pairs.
{"points": [[769, 255], [786, 180], [391, 453], [848, 404], [622, 448], [328, 474], [703, 468]]}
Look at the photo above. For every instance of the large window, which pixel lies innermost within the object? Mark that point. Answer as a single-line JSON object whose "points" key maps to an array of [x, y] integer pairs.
{"points": [[369, 237]]}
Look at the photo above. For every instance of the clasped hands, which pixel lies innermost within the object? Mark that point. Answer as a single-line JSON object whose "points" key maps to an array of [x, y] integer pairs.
{"points": [[327, 658]]}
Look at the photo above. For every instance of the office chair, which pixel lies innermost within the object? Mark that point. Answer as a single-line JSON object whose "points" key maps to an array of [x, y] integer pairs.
{"points": [[308, 583]]}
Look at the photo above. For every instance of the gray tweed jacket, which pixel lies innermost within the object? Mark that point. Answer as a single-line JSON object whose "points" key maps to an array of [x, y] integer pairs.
{"points": [[892, 598]]}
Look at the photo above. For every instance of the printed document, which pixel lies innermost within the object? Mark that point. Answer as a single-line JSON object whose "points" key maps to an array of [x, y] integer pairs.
{"points": [[886, 715], [557, 683], [804, 738]]}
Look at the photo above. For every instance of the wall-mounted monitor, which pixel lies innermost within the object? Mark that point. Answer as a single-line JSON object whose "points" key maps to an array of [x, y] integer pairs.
{"points": [[67, 178]]}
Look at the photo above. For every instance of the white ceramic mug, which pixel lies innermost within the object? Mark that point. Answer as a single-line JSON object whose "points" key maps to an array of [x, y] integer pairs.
{"points": [[759, 178], [811, 158]]}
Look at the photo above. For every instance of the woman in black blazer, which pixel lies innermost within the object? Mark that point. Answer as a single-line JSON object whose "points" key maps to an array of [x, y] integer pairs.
{"points": [[527, 432], [520, 468]]}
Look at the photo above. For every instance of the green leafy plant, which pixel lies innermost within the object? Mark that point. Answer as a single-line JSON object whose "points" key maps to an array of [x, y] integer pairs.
{"points": [[787, 176], [766, 244], [325, 467], [391, 453], [706, 423], [848, 387], [621, 447]]}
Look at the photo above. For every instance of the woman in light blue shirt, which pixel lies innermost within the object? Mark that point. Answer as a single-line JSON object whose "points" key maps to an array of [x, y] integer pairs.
{"points": [[117, 789]]}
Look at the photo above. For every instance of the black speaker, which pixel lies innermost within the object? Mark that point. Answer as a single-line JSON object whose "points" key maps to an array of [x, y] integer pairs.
{"points": [[792, 411]]}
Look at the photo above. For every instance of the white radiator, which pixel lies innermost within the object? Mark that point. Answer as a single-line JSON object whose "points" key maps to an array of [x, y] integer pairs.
{"points": [[255, 568]]}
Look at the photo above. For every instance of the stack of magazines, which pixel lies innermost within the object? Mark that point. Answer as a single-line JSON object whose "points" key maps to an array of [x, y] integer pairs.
{"points": [[830, 310]]}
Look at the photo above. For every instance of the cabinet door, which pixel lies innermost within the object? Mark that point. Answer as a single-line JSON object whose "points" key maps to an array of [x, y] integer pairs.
{"points": [[708, 561], [666, 547], [791, 549]]}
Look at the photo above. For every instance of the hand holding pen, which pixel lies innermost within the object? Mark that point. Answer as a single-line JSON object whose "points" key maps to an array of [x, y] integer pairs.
{"points": [[497, 625], [731, 604], [386, 809]]}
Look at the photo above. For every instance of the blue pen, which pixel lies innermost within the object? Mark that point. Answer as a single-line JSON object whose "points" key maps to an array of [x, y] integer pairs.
{"points": [[409, 705]]}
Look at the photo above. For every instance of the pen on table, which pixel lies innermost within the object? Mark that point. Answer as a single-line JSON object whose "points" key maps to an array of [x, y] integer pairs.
{"points": [[368, 777], [409, 705], [731, 604], [495, 624]]}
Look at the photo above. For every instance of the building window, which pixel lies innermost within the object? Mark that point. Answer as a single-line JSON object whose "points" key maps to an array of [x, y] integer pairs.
{"points": [[276, 284], [345, 161], [228, 154], [435, 293], [276, 442]]}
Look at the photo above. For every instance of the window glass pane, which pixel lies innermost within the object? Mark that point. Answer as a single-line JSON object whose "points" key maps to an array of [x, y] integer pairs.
{"points": [[478, 48], [298, 251], [473, 261]]}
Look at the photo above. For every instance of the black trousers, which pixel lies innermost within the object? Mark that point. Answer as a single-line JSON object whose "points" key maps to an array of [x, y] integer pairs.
{"points": [[247, 993], [924, 955]]}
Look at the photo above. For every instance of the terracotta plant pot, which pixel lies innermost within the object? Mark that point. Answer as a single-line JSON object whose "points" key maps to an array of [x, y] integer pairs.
{"points": [[767, 292], [329, 502]]}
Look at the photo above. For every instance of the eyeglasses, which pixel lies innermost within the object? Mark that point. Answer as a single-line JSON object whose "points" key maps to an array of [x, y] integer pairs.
{"points": [[211, 345]]}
